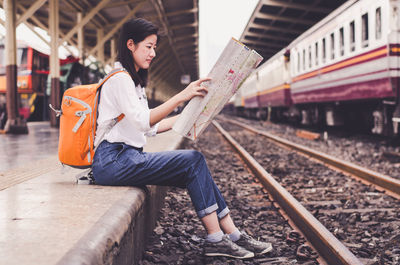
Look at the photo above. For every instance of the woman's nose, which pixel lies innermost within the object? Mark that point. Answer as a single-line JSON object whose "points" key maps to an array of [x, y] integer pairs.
{"points": [[153, 53]]}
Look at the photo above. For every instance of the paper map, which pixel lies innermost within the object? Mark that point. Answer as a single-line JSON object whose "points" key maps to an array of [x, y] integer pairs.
{"points": [[233, 66]]}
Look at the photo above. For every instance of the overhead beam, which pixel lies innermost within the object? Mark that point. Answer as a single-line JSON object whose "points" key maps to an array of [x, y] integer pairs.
{"points": [[297, 6], [264, 43], [264, 49], [267, 27], [158, 6], [258, 36], [182, 12], [122, 3], [76, 7], [28, 13], [99, 15], [85, 20], [286, 19], [32, 28], [185, 37], [191, 25], [154, 70], [117, 27], [41, 25]]}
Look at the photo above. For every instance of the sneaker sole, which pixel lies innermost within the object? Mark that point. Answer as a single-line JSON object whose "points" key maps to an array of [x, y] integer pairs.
{"points": [[250, 255], [265, 251]]}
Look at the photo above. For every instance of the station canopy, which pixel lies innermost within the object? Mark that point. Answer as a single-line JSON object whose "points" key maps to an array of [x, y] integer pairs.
{"points": [[177, 52], [276, 23]]}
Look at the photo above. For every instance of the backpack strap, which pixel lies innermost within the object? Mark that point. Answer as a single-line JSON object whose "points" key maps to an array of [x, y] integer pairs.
{"points": [[116, 119], [110, 74]]}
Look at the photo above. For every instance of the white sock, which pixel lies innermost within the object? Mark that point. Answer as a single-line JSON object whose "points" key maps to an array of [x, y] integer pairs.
{"points": [[215, 237], [235, 235]]}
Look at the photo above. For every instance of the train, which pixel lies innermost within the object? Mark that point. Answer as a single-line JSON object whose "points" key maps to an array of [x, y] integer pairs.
{"points": [[344, 70], [34, 83]]}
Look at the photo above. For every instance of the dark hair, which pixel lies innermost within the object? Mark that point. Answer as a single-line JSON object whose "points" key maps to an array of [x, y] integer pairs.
{"points": [[136, 29]]}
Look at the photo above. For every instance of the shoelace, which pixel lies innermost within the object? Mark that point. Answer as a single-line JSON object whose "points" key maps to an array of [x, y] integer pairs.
{"points": [[252, 240], [232, 245]]}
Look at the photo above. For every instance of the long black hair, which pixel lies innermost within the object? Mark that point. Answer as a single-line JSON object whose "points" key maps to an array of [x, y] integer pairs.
{"points": [[136, 29]]}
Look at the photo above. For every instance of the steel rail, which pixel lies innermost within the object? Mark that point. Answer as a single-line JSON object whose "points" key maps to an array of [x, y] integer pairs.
{"points": [[327, 245], [383, 181]]}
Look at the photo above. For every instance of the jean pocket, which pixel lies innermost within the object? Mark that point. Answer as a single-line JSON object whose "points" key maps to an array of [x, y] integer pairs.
{"points": [[120, 149]]}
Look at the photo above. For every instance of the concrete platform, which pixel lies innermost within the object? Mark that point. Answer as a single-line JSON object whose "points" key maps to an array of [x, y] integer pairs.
{"points": [[17, 150], [46, 218]]}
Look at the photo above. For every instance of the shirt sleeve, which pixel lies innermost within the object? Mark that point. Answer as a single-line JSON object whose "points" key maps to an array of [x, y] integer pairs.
{"points": [[153, 130], [127, 101]]}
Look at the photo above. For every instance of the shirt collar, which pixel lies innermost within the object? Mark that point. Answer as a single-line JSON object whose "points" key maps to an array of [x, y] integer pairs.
{"points": [[117, 65]]}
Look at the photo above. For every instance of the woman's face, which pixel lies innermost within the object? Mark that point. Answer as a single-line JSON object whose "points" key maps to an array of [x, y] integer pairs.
{"points": [[144, 52]]}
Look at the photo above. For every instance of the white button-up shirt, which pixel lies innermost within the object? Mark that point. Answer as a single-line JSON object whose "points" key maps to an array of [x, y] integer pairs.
{"points": [[119, 94]]}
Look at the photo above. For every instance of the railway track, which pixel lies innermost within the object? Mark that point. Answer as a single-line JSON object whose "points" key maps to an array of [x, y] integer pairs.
{"points": [[179, 233], [357, 217], [386, 183]]}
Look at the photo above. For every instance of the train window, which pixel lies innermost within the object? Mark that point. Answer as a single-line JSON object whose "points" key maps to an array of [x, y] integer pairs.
{"points": [[323, 50], [316, 53], [304, 60], [341, 41], [309, 57], [332, 46], [364, 30], [352, 37], [378, 23], [298, 62], [22, 56]]}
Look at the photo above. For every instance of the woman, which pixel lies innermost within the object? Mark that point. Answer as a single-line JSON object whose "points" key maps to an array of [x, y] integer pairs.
{"points": [[119, 159]]}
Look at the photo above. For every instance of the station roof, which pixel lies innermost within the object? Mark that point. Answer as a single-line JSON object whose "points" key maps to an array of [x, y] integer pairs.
{"points": [[274, 24], [177, 51]]}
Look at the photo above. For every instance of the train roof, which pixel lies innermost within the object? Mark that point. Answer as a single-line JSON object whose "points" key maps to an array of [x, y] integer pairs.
{"points": [[324, 21]]}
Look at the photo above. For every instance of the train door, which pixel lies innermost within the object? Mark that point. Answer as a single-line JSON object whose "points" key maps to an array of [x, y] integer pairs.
{"points": [[394, 56]]}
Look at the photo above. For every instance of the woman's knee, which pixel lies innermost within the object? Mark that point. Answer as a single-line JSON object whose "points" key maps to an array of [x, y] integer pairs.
{"points": [[195, 156]]}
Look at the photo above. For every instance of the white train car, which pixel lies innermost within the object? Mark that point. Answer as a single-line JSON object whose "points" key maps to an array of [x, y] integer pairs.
{"points": [[345, 69], [267, 87]]}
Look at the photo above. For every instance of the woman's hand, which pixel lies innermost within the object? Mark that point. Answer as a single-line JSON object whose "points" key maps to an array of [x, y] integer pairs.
{"points": [[194, 89]]}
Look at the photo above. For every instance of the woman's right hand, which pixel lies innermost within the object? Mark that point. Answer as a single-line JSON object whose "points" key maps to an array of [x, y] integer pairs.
{"points": [[194, 89]]}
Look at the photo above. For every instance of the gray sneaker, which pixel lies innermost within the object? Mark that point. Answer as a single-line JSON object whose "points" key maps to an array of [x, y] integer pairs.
{"points": [[253, 245], [227, 248]]}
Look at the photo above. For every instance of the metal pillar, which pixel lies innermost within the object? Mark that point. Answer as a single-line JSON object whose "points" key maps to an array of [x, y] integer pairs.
{"points": [[100, 52], [15, 124], [113, 51], [55, 95], [80, 39]]}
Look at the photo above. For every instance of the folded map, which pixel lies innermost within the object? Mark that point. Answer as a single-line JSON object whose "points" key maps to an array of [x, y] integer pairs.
{"points": [[234, 65]]}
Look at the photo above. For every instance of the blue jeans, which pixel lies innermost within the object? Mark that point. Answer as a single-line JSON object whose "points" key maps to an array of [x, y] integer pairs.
{"points": [[118, 164]]}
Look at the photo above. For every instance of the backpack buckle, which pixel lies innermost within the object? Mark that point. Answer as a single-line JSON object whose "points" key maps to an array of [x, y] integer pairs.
{"points": [[58, 112]]}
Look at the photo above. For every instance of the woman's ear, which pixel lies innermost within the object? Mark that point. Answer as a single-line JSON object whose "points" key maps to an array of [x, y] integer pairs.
{"points": [[130, 44]]}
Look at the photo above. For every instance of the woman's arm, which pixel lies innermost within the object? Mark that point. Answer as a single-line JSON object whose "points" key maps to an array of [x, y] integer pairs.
{"points": [[192, 90], [166, 124]]}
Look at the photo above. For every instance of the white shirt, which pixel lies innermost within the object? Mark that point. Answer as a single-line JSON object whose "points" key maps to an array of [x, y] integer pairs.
{"points": [[120, 95]]}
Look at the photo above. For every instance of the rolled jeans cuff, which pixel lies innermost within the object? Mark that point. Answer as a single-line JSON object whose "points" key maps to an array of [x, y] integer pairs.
{"points": [[207, 210], [223, 213]]}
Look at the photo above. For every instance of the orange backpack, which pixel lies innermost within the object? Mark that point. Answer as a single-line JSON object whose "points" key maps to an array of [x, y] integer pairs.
{"points": [[78, 123]]}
